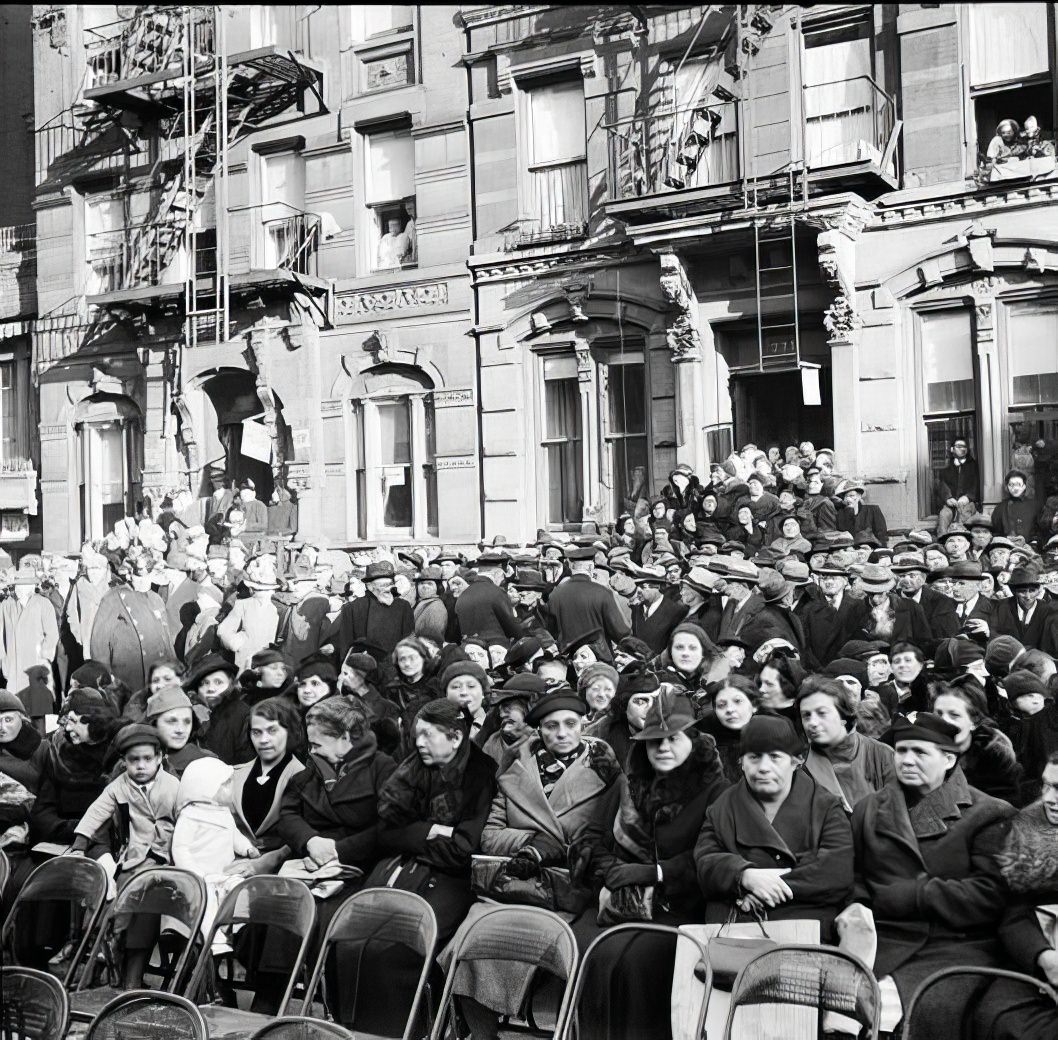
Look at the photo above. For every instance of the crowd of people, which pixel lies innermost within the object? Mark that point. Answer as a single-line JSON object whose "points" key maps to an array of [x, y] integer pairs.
{"points": [[751, 701]]}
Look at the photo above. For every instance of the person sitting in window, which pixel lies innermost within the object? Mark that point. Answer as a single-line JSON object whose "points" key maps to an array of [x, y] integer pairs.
{"points": [[409, 231], [1031, 142], [395, 247], [1002, 145]]}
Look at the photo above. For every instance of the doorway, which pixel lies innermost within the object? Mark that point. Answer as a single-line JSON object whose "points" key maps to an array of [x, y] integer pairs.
{"points": [[769, 408]]}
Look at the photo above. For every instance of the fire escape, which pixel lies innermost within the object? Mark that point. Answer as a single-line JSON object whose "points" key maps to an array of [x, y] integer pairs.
{"points": [[168, 73]]}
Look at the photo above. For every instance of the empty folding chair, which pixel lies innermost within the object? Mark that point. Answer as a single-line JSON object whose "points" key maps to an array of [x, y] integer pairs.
{"points": [[369, 925], [159, 892], [281, 908], [61, 900], [521, 935], [965, 1001], [822, 977], [143, 1014], [35, 1006], [622, 963]]}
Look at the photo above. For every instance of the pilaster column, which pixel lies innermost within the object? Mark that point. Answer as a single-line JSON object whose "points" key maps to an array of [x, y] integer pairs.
{"points": [[989, 447]]}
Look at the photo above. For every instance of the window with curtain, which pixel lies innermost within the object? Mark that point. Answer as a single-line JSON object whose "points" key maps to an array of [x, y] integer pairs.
{"points": [[949, 389], [1007, 42], [1033, 353], [104, 221], [558, 169], [390, 198], [841, 115], [14, 411], [380, 18], [701, 132], [627, 429], [562, 441]]}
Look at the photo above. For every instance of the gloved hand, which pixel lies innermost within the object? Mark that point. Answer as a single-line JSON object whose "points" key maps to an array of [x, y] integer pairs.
{"points": [[524, 864], [580, 857], [631, 874], [551, 853]]}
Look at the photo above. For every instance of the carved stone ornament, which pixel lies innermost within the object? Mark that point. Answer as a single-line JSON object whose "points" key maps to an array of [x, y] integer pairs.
{"points": [[186, 433], [675, 286], [841, 320], [402, 297], [377, 345], [683, 340], [583, 354], [576, 297]]}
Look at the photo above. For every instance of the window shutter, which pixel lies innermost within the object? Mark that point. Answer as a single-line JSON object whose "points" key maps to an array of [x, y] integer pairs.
{"points": [[932, 105]]}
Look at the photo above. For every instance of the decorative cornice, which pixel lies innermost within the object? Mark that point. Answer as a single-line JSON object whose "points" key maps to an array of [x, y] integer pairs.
{"points": [[966, 202], [540, 266], [581, 61]]}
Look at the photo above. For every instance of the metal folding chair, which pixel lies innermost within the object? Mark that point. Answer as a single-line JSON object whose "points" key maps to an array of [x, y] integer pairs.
{"points": [[266, 901], [35, 1005], [526, 935], [929, 1017], [148, 1015], [157, 892], [380, 915], [823, 977], [294, 1027], [588, 1030], [72, 886]]}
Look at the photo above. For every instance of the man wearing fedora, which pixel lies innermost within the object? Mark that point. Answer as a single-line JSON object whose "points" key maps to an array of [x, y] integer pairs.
{"points": [[747, 615], [830, 621], [655, 615], [887, 615], [973, 609], [380, 617], [911, 571], [855, 515], [1025, 616]]}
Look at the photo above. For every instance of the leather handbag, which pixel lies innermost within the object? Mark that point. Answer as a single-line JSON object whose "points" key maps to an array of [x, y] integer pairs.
{"points": [[729, 954], [550, 889]]}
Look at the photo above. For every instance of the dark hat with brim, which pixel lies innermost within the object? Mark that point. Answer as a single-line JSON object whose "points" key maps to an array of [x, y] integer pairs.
{"points": [[207, 666], [523, 687], [592, 638], [522, 651], [561, 699], [1024, 578], [669, 713], [926, 727]]}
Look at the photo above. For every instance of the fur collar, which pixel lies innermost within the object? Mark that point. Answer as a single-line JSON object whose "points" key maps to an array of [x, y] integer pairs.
{"points": [[1029, 860]]}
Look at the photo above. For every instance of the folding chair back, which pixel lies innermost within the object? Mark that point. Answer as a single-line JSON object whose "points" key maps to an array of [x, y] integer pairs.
{"points": [[620, 938], [268, 902], [526, 935], [822, 977], [949, 1004], [297, 1028], [381, 916], [157, 892], [74, 887], [5, 873], [148, 1015], [35, 1006]]}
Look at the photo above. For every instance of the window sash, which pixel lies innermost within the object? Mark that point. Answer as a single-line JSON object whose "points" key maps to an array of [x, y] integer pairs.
{"points": [[1033, 353], [948, 378], [1008, 42], [390, 173], [557, 130]]}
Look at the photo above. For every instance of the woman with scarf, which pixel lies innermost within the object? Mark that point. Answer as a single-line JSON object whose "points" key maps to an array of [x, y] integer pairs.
{"points": [[597, 684], [468, 685], [213, 688], [642, 840], [842, 761], [433, 809]]}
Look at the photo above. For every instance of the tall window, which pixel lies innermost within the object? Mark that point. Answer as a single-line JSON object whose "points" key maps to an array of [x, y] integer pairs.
{"points": [[14, 411], [562, 441], [557, 185], [699, 132], [949, 388], [283, 217], [390, 180], [626, 433], [1033, 353], [104, 220], [381, 18]]}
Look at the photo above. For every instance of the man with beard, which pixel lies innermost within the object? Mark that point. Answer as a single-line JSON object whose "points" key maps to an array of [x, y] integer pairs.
{"points": [[911, 570], [888, 616], [380, 618]]}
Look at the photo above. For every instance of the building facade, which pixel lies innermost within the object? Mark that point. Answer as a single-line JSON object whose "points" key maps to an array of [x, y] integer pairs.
{"points": [[253, 223], [702, 226]]}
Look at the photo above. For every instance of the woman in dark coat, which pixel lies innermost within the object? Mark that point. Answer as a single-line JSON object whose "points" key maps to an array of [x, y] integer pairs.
{"points": [[212, 685], [23, 754], [635, 693], [775, 819], [413, 685], [434, 807], [735, 701], [643, 837]]}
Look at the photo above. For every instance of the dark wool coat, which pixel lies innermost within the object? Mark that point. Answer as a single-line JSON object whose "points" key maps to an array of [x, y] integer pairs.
{"points": [[823, 511], [756, 623], [71, 780], [266, 835], [991, 766], [483, 609], [810, 835], [827, 630], [1015, 516], [23, 760], [935, 889], [130, 633], [227, 734], [671, 813], [579, 605], [940, 616], [656, 629], [366, 620], [909, 623], [956, 481], [1041, 633], [347, 811], [868, 518], [1037, 739]]}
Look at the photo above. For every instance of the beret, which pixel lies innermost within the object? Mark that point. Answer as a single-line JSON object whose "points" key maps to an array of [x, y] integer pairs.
{"points": [[460, 668], [560, 699]]}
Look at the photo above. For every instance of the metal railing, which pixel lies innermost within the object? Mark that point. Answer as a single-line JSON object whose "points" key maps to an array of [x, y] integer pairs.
{"points": [[847, 120], [18, 238], [149, 42], [146, 254], [670, 150], [286, 238]]}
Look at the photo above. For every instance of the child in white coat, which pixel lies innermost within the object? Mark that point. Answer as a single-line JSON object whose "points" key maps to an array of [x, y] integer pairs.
{"points": [[206, 838]]}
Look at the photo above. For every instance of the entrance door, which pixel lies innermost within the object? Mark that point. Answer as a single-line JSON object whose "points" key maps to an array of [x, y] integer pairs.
{"points": [[104, 477], [769, 409]]}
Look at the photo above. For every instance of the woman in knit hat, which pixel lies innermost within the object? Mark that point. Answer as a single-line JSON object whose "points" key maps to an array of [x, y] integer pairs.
{"points": [[636, 691], [776, 843], [433, 809], [467, 684], [271, 674], [317, 679], [597, 684], [170, 712]]}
